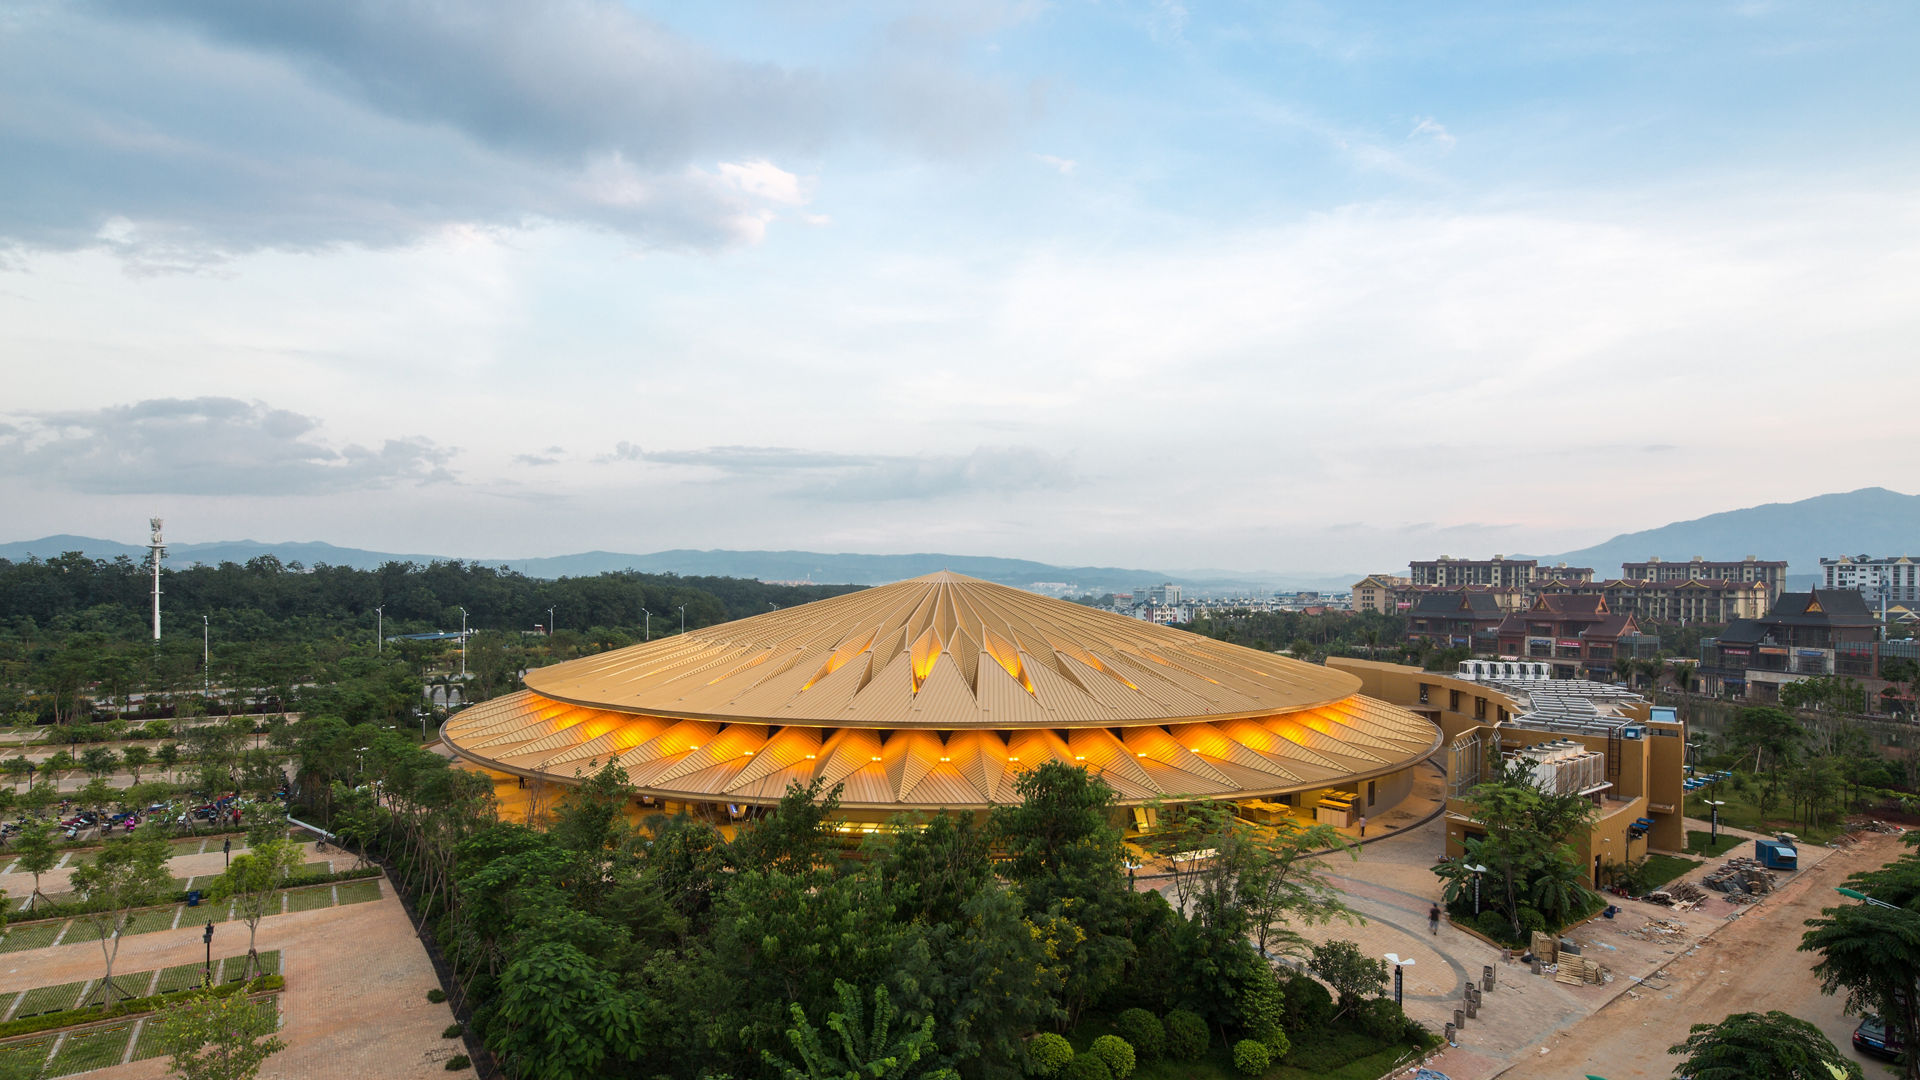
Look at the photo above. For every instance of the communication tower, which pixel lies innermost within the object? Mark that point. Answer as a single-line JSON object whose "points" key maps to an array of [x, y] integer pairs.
{"points": [[159, 552]]}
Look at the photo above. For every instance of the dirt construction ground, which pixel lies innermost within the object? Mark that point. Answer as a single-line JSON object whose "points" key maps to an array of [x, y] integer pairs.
{"points": [[1749, 965]]}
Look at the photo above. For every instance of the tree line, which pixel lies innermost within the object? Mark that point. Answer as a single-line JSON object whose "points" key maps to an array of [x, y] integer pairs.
{"points": [[74, 631], [955, 945]]}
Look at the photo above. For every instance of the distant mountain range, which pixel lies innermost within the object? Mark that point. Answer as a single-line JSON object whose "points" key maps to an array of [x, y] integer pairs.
{"points": [[817, 567], [1872, 521]]}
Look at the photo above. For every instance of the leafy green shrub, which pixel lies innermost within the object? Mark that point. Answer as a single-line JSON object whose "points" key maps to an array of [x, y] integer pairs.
{"points": [[1531, 920], [1143, 1031], [1116, 1052], [1047, 1054], [436, 995], [1309, 1005], [1086, 1067], [1252, 1057], [1381, 1018], [1186, 1035], [1414, 1032], [453, 1031], [1261, 1004], [1276, 1041], [458, 1062], [1494, 925]]}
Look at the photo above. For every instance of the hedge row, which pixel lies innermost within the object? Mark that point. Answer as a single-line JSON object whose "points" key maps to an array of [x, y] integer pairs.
{"points": [[46, 912], [34, 1025]]}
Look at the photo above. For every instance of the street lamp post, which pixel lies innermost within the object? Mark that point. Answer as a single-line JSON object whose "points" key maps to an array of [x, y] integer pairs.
{"points": [[683, 618], [1399, 970], [463, 653], [380, 629], [549, 622], [1714, 838], [226, 850], [1477, 871], [649, 624], [206, 656], [208, 938]]}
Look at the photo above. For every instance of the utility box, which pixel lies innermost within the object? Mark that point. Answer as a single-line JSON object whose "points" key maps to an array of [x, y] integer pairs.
{"points": [[1776, 855]]}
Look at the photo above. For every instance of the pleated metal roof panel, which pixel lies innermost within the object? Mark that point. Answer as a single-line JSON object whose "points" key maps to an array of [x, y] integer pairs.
{"points": [[849, 660], [938, 693]]}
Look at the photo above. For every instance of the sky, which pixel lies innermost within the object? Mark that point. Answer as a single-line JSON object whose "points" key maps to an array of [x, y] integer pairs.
{"points": [[1278, 286]]}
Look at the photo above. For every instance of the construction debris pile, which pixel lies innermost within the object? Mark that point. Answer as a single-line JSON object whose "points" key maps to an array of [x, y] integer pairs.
{"points": [[1657, 930], [1743, 880], [1681, 896], [1564, 965]]}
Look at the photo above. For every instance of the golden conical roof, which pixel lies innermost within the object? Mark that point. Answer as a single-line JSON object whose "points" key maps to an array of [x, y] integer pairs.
{"points": [[938, 693], [942, 651]]}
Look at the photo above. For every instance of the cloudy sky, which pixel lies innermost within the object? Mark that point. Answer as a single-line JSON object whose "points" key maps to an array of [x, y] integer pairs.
{"points": [[1275, 285]]}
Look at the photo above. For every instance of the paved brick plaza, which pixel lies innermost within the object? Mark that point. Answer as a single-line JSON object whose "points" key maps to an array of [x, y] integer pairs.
{"points": [[355, 1003]]}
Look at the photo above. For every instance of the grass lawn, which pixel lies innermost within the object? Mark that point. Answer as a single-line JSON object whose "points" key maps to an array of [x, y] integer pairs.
{"points": [[31, 936], [46, 999], [310, 899], [1697, 843], [359, 892], [1742, 811], [91, 1050], [1661, 869]]}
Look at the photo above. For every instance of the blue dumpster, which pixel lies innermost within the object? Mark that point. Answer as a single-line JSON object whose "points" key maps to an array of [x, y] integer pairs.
{"points": [[193, 898], [1776, 855]]}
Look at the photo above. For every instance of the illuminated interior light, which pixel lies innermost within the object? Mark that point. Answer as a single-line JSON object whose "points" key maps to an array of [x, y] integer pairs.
{"points": [[946, 759], [1079, 757], [809, 757], [1013, 759], [749, 753], [876, 757]]}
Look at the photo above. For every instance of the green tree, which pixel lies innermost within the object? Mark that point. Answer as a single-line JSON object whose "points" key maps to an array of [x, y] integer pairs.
{"points": [[1525, 842], [136, 758], [1872, 952], [98, 761], [37, 853], [793, 838], [168, 756], [252, 881], [1773, 1045], [1352, 974], [127, 874], [218, 1037], [563, 1017], [856, 1049]]}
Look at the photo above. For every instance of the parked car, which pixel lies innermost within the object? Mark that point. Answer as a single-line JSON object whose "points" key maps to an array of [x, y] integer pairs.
{"points": [[1873, 1038]]}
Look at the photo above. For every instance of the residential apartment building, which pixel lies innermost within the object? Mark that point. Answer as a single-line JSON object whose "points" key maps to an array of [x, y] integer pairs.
{"points": [[1379, 593], [1460, 617], [1895, 578], [1580, 635], [1684, 600], [1769, 572], [1499, 572], [1823, 632]]}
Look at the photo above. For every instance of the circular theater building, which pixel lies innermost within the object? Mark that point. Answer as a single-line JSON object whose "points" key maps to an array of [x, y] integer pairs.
{"points": [[935, 694]]}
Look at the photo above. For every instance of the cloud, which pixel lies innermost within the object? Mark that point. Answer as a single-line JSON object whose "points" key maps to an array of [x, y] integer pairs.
{"points": [[1064, 166], [205, 446], [1432, 131], [840, 477], [177, 133]]}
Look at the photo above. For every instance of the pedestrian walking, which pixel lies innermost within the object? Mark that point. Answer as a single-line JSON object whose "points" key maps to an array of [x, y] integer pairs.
{"points": [[1433, 919], [1363, 824]]}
